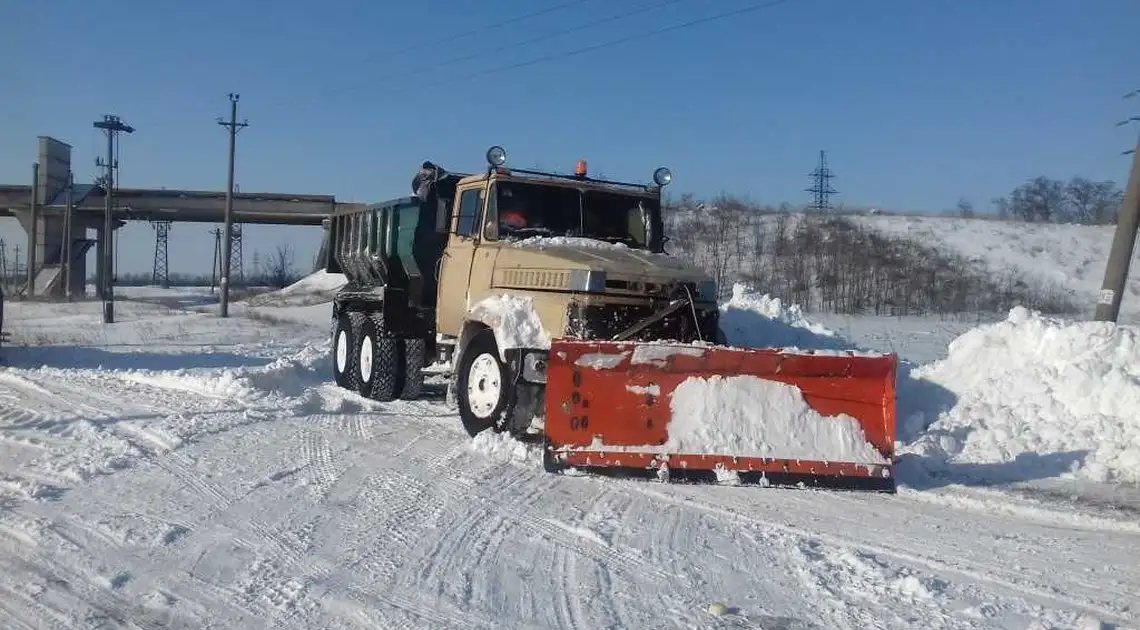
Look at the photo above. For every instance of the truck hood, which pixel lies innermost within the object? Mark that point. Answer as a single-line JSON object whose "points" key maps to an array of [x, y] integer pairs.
{"points": [[617, 261]]}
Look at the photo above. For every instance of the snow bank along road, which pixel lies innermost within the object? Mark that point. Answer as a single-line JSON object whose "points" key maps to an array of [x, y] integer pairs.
{"points": [[190, 485]]}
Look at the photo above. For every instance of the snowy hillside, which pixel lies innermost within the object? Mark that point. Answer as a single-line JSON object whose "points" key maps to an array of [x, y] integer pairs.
{"points": [[1071, 255], [903, 265], [178, 470]]}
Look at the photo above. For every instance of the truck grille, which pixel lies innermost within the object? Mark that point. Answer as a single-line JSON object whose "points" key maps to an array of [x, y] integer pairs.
{"points": [[604, 321]]}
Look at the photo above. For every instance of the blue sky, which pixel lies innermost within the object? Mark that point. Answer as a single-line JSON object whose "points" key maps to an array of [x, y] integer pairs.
{"points": [[919, 102]]}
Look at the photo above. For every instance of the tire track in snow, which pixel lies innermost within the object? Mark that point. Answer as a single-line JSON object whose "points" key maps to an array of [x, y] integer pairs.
{"points": [[996, 576], [992, 569], [154, 446]]}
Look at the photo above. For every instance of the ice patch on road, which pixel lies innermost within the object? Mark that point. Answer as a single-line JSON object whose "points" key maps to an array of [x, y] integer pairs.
{"points": [[1036, 397], [749, 416]]}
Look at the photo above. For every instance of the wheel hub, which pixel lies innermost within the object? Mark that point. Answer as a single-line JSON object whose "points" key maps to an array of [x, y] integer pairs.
{"points": [[484, 385], [366, 359], [341, 351]]}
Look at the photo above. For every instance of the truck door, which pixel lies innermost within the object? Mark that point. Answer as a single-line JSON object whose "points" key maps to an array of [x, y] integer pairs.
{"points": [[455, 266]]}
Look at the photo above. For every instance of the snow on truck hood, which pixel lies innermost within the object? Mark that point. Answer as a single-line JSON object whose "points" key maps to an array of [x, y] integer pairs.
{"points": [[613, 258]]}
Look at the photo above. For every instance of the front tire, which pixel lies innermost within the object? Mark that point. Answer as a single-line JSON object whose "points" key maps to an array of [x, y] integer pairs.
{"points": [[483, 387]]}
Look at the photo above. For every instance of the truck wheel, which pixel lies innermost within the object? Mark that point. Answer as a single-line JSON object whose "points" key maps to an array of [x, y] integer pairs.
{"points": [[343, 349], [412, 383], [482, 384], [379, 364]]}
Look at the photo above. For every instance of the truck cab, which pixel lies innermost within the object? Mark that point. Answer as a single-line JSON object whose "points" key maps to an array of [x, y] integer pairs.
{"points": [[516, 258]]}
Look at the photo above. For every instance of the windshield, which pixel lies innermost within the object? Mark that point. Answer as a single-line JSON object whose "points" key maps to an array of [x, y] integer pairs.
{"points": [[527, 210]]}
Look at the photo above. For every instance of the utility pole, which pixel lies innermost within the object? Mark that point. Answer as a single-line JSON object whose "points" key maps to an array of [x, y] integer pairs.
{"points": [[112, 126], [216, 266], [227, 231], [821, 185], [67, 218], [1124, 240], [33, 230]]}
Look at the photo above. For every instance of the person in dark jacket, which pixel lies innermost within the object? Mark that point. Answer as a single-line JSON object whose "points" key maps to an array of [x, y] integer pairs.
{"points": [[425, 177]]}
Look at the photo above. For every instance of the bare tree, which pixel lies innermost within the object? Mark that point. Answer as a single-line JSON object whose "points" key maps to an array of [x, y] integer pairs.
{"points": [[1093, 202], [278, 271]]}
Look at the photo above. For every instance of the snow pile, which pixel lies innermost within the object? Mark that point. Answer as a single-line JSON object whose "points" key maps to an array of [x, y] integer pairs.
{"points": [[753, 417], [753, 320], [513, 320], [544, 242], [501, 447], [314, 288], [287, 376], [1035, 397]]}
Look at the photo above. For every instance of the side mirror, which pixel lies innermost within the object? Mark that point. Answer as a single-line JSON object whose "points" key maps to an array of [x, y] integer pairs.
{"points": [[490, 231]]}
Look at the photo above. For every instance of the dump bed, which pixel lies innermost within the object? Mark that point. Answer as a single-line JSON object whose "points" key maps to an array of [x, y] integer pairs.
{"points": [[392, 243]]}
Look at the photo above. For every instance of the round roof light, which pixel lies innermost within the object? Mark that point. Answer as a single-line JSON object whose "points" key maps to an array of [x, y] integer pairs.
{"points": [[496, 156], [662, 176]]}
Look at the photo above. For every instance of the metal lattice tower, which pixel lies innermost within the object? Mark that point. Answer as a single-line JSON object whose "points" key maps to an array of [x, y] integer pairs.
{"points": [[236, 266], [160, 275], [821, 189]]}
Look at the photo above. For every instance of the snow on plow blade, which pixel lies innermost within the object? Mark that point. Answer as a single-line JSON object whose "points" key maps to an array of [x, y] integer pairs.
{"points": [[709, 412]]}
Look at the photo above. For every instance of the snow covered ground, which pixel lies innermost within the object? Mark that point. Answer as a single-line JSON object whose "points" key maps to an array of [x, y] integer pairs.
{"points": [[179, 470], [1072, 256]]}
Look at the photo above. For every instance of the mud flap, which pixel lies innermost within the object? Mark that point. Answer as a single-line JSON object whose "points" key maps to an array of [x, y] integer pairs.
{"points": [[706, 412]]}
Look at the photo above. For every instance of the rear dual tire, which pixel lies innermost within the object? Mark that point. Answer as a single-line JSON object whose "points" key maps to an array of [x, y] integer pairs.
{"points": [[372, 363]]}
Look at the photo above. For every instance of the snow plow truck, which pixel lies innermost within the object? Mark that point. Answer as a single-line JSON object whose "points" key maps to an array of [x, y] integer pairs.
{"points": [[554, 309]]}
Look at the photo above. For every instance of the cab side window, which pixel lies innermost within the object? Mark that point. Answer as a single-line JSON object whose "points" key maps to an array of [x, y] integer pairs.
{"points": [[469, 206]]}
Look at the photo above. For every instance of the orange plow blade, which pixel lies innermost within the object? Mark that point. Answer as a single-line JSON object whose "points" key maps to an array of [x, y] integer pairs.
{"points": [[768, 416]]}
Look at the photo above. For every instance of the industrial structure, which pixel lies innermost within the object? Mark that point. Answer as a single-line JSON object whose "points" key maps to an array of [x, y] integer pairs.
{"points": [[43, 211], [820, 188]]}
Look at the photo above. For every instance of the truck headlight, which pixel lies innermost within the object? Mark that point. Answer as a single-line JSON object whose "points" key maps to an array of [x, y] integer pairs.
{"points": [[706, 290], [588, 280]]}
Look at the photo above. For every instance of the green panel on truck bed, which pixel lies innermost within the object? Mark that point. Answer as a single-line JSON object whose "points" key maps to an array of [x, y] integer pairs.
{"points": [[392, 243]]}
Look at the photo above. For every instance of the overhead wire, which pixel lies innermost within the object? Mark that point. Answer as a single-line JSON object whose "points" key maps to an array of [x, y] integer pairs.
{"points": [[609, 43], [388, 55], [751, 8], [516, 44], [476, 31], [503, 47]]}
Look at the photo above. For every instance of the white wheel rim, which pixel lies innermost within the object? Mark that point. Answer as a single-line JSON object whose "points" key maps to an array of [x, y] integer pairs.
{"points": [[341, 351], [484, 386], [366, 359]]}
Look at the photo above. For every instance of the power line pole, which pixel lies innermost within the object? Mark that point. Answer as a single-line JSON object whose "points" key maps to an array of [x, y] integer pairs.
{"points": [[33, 232], [216, 266], [1124, 240], [227, 230], [68, 215], [112, 126], [821, 189], [160, 272]]}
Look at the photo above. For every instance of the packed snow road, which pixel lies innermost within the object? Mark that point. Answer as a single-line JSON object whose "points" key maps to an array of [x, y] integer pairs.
{"points": [[249, 492]]}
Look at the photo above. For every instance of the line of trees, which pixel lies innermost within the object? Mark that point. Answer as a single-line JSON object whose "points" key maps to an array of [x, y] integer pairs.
{"points": [[1046, 200], [833, 264]]}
